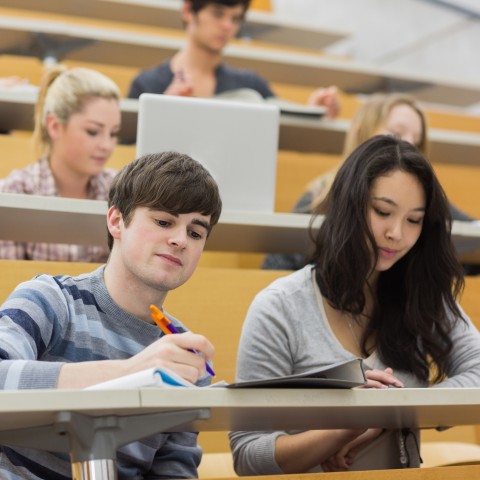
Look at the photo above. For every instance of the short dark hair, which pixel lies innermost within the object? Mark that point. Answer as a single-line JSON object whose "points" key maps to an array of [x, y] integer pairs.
{"points": [[171, 182], [197, 5], [410, 327]]}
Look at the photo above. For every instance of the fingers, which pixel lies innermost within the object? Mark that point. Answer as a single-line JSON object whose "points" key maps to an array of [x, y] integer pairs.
{"points": [[181, 85], [381, 379], [184, 353], [12, 81], [192, 341], [343, 459], [327, 97]]}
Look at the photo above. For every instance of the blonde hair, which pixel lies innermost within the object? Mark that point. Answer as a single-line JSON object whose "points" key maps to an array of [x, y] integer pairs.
{"points": [[64, 92], [373, 114], [367, 120]]}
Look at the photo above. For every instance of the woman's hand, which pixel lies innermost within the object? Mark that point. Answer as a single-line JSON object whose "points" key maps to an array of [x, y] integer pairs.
{"points": [[381, 379], [343, 459]]}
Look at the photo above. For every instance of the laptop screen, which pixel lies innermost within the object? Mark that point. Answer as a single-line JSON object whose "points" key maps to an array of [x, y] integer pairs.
{"points": [[237, 142]]}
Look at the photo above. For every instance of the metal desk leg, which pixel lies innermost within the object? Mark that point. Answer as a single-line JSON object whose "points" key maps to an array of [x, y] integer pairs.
{"points": [[94, 469], [93, 441]]}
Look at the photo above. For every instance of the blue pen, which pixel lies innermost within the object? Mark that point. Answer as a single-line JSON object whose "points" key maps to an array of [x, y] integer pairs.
{"points": [[166, 325]]}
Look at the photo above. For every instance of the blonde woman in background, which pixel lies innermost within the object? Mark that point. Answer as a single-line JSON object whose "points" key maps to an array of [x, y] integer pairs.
{"points": [[77, 122], [387, 114]]}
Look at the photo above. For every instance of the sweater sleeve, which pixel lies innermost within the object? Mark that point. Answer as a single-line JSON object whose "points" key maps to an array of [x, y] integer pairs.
{"points": [[264, 351], [464, 368], [31, 319]]}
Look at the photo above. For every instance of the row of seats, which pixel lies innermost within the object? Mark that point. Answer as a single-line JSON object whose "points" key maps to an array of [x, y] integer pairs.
{"points": [[213, 304], [217, 311], [109, 47], [294, 171]]}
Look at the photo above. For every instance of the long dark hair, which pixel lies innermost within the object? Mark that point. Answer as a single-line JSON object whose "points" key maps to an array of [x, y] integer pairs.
{"points": [[414, 299]]}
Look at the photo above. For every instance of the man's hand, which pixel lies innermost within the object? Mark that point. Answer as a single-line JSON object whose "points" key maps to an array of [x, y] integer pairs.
{"points": [[328, 98], [180, 85], [173, 352]]}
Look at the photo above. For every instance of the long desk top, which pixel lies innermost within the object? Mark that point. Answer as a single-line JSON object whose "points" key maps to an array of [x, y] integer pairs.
{"points": [[264, 26], [255, 409], [296, 133], [90, 424], [64, 220], [22, 36]]}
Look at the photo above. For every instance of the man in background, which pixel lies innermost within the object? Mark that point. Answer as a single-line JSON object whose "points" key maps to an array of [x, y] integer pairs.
{"points": [[198, 69]]}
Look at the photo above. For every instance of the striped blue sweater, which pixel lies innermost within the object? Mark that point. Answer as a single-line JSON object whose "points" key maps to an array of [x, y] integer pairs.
{"points": [[49, 321]]}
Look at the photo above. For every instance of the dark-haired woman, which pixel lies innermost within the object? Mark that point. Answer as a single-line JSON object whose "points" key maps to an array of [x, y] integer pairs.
{"points": [[382, 285]]}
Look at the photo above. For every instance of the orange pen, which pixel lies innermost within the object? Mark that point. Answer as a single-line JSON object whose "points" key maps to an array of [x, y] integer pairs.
{"points": [[167, 328], [160, 319]]}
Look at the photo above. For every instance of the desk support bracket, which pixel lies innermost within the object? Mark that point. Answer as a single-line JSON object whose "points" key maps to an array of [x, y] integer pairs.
{"points": [[92, 441]]}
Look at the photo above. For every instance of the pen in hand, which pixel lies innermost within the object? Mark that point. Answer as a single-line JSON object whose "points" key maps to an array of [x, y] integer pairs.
{"points": [[167, 328]]}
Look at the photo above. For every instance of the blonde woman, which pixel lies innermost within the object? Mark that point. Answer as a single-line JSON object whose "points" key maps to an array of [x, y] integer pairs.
{"points": [[77, 121], [386, 114]]}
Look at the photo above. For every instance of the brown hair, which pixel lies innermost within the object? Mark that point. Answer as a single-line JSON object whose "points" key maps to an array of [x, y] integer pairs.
{"points": [[197, 5], [170, 182]]}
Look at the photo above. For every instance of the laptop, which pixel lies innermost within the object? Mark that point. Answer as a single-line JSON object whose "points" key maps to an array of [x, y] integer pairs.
{"points": [[236, 142]]}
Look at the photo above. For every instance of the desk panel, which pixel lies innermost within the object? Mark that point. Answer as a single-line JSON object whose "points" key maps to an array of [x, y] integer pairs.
{"points": [[272, 409], [65, 220], [296, 133], [256, 409], [21, 36], [32, 408], [264, 26]]}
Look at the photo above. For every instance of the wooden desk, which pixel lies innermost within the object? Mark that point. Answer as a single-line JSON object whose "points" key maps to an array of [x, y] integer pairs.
{"points": [[264, 26], [444, 473], [296, 133], [65, 220], [91, 425], [53, 39]]}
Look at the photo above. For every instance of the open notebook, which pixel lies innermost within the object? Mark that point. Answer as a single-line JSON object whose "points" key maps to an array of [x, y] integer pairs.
{"points": [[341, 375]]}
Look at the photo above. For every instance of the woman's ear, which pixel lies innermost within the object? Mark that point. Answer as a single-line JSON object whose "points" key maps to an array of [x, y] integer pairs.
{"points": [[53, 126], [114, 222]]}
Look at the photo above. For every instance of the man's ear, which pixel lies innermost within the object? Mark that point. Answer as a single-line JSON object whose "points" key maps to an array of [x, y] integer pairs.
{"points": [[186, 12], [115, 222], [53, 126]]}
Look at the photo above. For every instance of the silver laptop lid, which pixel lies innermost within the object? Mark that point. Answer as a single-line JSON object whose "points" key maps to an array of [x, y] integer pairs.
{"points": [[236, 142]]}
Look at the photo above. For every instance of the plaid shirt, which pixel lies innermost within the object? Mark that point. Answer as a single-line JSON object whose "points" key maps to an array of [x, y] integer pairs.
{"points": [[37, 179]]}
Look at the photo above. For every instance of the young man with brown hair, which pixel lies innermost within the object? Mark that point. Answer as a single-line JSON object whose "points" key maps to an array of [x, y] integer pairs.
{"points": [[73, 332]]}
